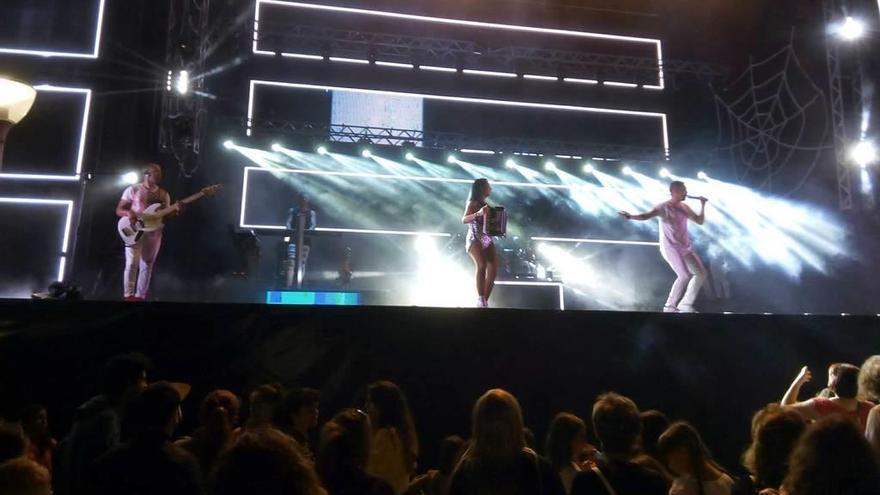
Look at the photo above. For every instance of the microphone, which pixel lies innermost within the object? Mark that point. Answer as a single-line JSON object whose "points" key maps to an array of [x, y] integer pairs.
{"points": [[699, 198]]}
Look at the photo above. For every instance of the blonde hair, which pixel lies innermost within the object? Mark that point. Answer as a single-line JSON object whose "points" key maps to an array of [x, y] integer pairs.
{"points": [[497, 428]]}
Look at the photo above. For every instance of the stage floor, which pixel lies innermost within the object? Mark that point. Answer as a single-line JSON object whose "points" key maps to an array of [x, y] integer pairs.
{"points": [[713, 369]]}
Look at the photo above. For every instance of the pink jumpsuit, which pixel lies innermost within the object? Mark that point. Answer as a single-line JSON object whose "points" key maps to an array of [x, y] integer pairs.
{"points": [[676, 249], [140, 258]]}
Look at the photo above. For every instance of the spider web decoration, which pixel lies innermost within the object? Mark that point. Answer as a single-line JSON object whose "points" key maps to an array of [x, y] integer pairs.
{"points": [[773, 122]]}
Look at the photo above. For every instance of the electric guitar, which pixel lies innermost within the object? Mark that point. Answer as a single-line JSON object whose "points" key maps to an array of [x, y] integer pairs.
{"points": [[152, 218]]}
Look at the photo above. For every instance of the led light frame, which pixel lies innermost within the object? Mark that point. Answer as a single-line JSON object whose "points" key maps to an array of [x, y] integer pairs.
{"points": [[459, 99], [83, 132], [413, 178], [65, 237], [595, 241], [96, 48], [461, 22]]}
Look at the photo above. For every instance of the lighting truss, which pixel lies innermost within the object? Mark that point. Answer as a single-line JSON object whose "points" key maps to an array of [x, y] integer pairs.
{"points": [[65, 235], [83, 131], [96, 47], [502, 144], [453, 140], [412, 51]]}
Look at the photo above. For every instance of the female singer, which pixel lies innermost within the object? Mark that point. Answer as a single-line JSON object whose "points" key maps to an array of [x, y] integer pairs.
{"points": [[479, 245]]}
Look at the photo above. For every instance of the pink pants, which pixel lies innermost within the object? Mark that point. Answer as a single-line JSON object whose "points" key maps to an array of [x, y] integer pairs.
{"points": [[139, 261], [690, 277]]}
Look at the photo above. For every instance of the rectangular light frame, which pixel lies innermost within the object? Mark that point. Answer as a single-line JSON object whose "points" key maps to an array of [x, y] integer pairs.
{"points": [[83, 134], [411, 178], [96, 47], [462, 22], [458, 99], [65, 236]]}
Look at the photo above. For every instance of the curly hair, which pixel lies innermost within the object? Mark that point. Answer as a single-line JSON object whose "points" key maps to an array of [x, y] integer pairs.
{"points": [[775, 432], [267, 462], [832, 458]]}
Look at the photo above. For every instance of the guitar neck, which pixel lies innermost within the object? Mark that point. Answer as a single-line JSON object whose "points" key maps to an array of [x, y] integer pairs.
{"points": [[187, 200]]}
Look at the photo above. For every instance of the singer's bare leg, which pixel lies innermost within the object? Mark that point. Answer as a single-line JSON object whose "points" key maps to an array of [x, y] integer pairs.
{"points": [[476, 254], [491, 270]]}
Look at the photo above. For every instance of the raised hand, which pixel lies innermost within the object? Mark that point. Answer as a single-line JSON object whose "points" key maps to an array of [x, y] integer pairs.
{"points": [[625, 215], [804, 376]]}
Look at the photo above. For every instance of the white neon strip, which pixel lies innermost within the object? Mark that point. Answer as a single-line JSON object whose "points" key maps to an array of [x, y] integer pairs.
{"points": [[620, 84], [349, 60], [257, 31], [595, 241], [488, 73], [83, 131], [459, 22], [478, 152], [539, 284], [65, 237], [540, 78], [437, 68], [96, 48], [250, 115], [660, 74], [460, 99], [39, 177], [415, 178], [395, 64], [385, 232], [648, 86], [580, 81], [62, 263], [301, 55]]}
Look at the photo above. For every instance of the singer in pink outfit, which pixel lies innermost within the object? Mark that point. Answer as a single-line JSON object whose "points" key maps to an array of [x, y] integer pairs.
{"points": [[676, 247]]}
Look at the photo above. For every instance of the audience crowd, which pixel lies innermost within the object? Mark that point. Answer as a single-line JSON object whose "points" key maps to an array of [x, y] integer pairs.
{"points": [[126, 441]]}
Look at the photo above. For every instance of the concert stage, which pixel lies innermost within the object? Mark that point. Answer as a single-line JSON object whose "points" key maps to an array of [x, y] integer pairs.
{"points": [[714, 370]]}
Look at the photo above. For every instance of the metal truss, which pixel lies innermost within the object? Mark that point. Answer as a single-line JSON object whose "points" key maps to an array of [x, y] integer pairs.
{"points": [[451, 141], [838, 115], [187, 48], [416, 50]]}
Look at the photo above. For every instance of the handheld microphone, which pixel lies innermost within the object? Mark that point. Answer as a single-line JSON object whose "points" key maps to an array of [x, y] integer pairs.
{"points": [[700, 198]]}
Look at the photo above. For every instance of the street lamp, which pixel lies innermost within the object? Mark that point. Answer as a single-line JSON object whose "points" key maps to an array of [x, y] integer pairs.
{"points": [[16, 100]]}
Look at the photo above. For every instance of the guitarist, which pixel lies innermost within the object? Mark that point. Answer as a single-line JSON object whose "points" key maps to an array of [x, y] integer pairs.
{"points": [[140, 258]]}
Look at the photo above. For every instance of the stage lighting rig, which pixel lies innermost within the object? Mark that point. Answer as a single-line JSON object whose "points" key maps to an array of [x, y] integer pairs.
{"points": [[851, 29], [864, 153], [129, 178]]}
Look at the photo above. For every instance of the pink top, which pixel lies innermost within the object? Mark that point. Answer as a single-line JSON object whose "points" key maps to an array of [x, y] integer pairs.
{"points": [[674, 227], [141, 198], [826, 407]]}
